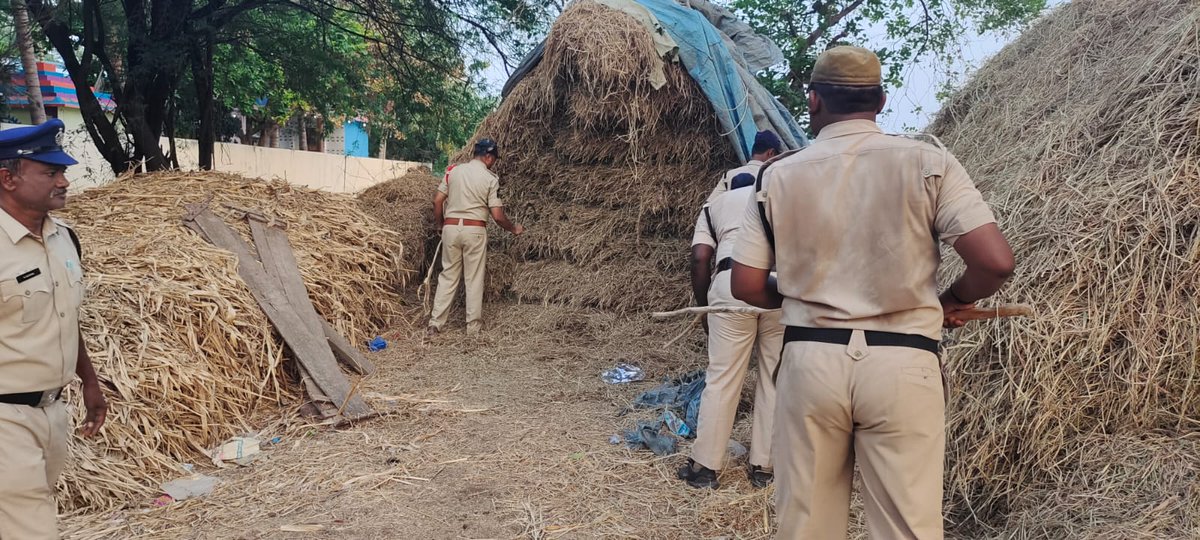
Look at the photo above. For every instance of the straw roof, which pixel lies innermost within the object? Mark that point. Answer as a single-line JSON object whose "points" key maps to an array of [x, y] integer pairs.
{"points": [[1083, 135], [184, 352]]}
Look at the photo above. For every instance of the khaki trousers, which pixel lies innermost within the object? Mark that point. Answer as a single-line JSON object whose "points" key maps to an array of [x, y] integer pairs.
{"points": [[731, 338], [887, 411], [464, 254], [33, 452]]}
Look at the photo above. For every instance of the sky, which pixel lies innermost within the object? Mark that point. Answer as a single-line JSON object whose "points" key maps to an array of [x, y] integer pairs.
{"points": [[914, 104]]}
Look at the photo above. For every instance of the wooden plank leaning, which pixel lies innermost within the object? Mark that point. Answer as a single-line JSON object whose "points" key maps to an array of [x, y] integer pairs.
{"points": [[279, 260], [311, 350]]}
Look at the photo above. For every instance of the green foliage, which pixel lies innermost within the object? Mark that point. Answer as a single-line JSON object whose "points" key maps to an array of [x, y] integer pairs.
{"points": [[911, 30]]}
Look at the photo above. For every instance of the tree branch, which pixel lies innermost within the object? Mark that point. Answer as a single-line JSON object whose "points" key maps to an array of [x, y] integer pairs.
{"points": [[831, 22]]}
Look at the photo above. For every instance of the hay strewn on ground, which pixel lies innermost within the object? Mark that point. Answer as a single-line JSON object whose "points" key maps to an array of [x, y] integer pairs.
{"points": [[1083, 135], [185, 352], [602, 169]]}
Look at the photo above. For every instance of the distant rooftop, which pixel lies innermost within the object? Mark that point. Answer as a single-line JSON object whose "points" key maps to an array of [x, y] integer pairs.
{"points": [[57, 88]]}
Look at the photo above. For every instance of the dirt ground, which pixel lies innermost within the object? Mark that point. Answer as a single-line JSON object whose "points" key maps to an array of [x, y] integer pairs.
{"points": [[504, 435]]}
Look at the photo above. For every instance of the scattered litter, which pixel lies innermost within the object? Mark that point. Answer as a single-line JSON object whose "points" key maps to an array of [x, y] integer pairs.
{"points": [[676, 424], [681, 394], [679, 400], [275, 440], [161, 501], [623, 373], [647, 435], [377, 344], [188, 487], [736, 449], [615, 439], [240, 450]]}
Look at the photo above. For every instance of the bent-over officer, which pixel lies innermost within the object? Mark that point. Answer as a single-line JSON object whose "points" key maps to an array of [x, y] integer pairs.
{"points": [[851, 225], [465, 199], [731, 338], [41, 350], [766, 146]]}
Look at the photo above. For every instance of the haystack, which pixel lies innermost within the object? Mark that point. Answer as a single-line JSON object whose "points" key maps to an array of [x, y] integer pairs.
{"points": [[184, 352], [1084, 136], [405, 205], [606, 172]]}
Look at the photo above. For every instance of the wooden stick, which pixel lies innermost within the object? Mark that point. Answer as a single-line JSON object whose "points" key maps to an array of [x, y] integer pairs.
{"points": [[977, 314], [704, 310], [995, 312], [424, 289]]}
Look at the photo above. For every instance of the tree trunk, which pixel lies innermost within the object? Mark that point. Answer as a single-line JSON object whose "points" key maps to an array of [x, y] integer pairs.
{"points": [[202, 75], [33, 87], [302, 129], [383, 146]]}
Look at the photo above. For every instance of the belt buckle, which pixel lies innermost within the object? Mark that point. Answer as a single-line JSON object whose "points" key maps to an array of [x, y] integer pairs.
{"points": [[48, 397]]}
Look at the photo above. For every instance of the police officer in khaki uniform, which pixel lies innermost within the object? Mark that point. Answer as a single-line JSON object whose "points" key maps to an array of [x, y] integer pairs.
{"points": [[851, 225], [41, 289], [731, 338], [469, 194], [766, 146]]}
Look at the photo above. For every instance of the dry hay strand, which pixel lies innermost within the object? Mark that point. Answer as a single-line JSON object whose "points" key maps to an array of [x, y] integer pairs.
{"points": [[405, 205], [600, 167], [1083, 136], [184, 351]]}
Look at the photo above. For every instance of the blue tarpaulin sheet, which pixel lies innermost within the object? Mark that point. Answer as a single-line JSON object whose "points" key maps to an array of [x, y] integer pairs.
{"points": [[707, 59], [742, 106]]}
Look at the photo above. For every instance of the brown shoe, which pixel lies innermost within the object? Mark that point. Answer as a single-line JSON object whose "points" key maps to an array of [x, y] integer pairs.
{"points": [[432, 331]]}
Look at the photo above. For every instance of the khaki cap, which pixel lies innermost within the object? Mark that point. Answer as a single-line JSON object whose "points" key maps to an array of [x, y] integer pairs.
{"points": [[848, 66]]}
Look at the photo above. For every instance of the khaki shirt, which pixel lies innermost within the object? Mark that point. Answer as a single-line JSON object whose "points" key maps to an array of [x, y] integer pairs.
{"points": [[857, 216], [751, 167], [41, 289], [726, 213], [471, 190]]}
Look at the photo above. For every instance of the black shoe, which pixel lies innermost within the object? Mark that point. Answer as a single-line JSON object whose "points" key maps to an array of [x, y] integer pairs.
{"points": [[760, 477], [698, 476]]}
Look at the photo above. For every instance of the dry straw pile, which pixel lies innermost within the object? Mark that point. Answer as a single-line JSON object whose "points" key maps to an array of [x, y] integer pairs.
{"points": [[1084, 135], [184, 351], [607, 173], [405, 205]]}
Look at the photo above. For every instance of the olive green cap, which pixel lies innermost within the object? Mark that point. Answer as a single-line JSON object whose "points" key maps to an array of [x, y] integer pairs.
{"points": [[848, 66]]}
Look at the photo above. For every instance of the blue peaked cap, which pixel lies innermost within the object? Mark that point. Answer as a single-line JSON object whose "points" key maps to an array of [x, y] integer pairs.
{"points": [[742, 180], [41, 143]]}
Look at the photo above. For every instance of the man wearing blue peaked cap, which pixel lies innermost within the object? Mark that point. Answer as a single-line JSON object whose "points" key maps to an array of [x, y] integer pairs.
{"points": [[41, 350], [39, 143]]}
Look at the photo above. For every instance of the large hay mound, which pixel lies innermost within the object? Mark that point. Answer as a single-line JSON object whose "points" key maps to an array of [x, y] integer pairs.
{"points": [[606, 172], [1084, 135], [405, 205], [183, 349]]}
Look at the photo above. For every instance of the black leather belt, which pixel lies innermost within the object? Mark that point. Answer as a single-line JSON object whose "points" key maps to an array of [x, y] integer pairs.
{"points": [[875, 338], [32, 399], [723, 265]]}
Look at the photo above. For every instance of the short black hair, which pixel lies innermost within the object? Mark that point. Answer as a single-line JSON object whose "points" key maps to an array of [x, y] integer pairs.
{"points": [[13, 165], [848, 99]]}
